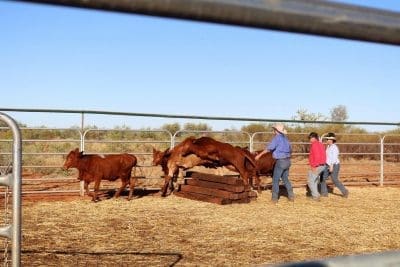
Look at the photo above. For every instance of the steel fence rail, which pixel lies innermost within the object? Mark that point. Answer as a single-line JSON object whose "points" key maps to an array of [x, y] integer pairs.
{"points": [[302, 16], [175, 116], [14, 180], [92, 137]]}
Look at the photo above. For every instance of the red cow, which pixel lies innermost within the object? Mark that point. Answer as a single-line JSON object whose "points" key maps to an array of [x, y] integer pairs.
{"points": [[223, 154], [264, 167], [172, 159], [94, 168], [265, 164], [161, 158]]}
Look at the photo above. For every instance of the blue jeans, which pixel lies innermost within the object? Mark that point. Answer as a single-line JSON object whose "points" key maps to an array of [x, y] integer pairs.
{"points": [[335, 179], [281, 170]]}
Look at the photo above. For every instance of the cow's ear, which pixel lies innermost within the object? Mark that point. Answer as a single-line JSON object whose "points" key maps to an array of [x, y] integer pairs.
{"points": [[81, 154], [154, 150]]}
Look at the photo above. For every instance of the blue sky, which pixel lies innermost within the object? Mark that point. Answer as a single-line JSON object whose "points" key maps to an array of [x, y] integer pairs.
{"points": [[54, 57]]}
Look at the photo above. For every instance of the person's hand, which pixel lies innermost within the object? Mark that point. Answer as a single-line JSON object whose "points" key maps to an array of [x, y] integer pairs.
{"points": [[257, 157], [330, 168]]}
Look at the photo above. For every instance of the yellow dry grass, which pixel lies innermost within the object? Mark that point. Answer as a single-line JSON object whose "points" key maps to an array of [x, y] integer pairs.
{"points": [[155, 231]]}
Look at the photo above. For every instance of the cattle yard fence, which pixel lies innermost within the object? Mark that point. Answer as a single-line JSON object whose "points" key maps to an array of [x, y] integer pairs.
{"points": [[10, 178], [366, 158]]}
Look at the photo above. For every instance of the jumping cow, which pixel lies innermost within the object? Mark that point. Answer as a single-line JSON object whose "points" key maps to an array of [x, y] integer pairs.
{"points": [[222, 154], [94, 168], [171, 160]]}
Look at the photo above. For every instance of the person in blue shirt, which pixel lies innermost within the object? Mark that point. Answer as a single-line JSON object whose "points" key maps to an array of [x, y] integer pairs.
{"points": [[281, 151]]}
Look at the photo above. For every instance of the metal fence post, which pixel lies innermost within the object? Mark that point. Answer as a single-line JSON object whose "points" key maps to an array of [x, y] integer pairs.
{"points": [[82, 148], [382, 159], [14, 180]]}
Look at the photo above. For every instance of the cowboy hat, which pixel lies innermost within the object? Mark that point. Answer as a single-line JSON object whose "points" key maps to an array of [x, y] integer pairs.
{"points": [[279, 127], [330, 136]]}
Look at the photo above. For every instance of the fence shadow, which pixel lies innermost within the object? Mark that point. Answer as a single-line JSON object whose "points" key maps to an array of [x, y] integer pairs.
{"points": [[106, 258]]}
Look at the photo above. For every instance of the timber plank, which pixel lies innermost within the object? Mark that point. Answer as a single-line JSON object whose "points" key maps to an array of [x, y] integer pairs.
{"points": [[213, 192], [213, 185], [232, 180]]}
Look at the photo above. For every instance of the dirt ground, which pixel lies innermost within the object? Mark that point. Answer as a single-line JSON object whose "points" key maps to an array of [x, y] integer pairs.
{"points": [[173, 231]]}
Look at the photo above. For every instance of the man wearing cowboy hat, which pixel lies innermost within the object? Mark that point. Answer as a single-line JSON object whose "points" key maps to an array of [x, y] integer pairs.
{"points": [[281, 151], [332, 160]]}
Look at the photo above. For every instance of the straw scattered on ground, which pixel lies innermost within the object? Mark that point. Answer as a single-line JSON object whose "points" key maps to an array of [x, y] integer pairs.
{"points": [[155, 231]]}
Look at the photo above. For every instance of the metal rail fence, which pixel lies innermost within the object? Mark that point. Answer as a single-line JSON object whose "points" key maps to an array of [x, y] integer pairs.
{"points": [[303, 16], [366, 158], [11, 227], [312, 17]]}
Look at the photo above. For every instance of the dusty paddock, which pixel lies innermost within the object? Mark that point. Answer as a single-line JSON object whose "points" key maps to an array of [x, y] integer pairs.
{"points": [[155, 231]]}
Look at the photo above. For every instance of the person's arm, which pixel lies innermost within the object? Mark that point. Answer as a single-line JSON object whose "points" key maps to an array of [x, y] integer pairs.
{"points": [[270, 147], [333, 157], [265, 151], [312, 156]]}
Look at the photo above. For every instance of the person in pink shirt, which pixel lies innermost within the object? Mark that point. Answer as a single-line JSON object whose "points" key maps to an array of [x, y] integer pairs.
{"points": [[317, 162]]}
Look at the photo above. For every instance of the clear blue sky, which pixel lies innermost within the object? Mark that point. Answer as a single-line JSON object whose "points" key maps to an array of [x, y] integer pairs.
{"points": [[54, 57]]}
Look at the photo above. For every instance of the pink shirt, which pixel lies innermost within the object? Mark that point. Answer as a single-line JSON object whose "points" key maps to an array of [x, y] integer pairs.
{"points": [[317, 154]]}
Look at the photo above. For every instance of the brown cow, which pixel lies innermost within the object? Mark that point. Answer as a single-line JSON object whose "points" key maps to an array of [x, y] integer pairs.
{"points": [[223, 154], [265, 164], [171, 160], [161, 158], [264, 167], [94, 168]]}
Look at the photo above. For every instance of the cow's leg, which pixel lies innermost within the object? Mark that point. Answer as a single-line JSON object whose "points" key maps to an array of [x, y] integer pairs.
{"points": [[174, 179], [96, 190], [124, 182], [245, 177], [131, 187], [258, 183], [86, 187], [167, 180]]}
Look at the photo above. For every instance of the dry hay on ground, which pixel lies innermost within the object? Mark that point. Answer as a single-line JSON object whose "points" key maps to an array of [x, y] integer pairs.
{"points": [[155, 231]]}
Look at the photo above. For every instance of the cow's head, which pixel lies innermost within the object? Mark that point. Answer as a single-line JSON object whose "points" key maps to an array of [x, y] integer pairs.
{"points": [[157, 156], [72, 159]]}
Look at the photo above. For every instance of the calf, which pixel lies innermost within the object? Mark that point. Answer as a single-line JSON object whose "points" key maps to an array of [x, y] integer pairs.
{"points": [[94, 168], [171, 160], [222, 154], [264, 167]]}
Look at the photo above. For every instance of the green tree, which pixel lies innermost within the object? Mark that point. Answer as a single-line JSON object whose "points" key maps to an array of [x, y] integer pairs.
{"points": [[303, 114], [197, 127], [256, 127], [171, 127]]}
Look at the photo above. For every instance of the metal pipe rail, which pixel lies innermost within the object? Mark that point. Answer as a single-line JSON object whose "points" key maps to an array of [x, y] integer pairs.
{"points": [[174, 116], [302, 16], [13, 180]]}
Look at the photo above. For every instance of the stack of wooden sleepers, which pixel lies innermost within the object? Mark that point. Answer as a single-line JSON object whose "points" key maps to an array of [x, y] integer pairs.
{"points": [[217, 189]]}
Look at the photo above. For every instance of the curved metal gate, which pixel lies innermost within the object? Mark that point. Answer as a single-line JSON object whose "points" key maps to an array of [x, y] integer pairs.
{"points": [[11, 229]]}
